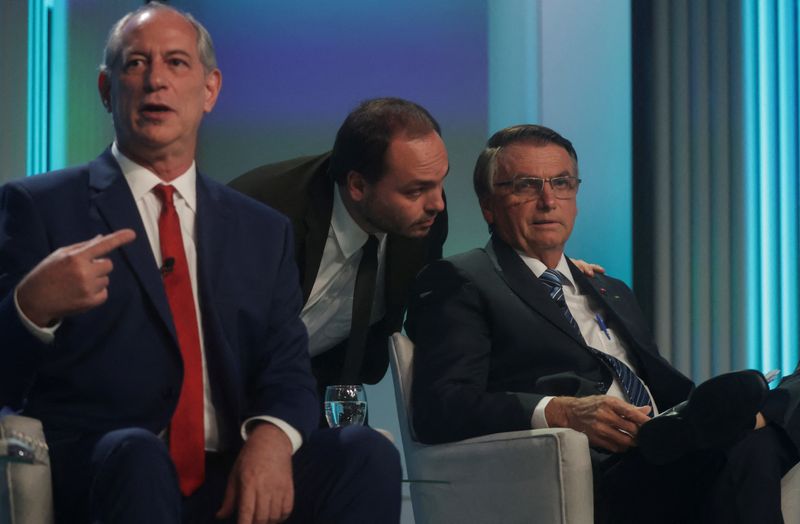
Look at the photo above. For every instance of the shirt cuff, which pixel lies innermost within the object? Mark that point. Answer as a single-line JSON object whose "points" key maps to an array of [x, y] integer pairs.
{"points": [[46, 335], [294, 436], [538, 420]]}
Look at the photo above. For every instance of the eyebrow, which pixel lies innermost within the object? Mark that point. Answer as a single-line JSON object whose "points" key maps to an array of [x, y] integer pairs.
{"points": [[563, 173], [178, 52], [171, 52]]}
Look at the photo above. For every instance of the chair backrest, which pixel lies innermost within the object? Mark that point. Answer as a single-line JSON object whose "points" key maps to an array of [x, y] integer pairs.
{"points": [[401, 357]]}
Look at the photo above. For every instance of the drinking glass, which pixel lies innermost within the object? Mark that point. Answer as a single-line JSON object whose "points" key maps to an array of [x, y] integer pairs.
{"points": [[345, 405]]}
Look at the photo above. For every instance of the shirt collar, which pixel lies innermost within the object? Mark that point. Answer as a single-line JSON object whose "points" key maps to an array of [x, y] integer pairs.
{"points": [[142, 181], [538, 267], [347, 232]]}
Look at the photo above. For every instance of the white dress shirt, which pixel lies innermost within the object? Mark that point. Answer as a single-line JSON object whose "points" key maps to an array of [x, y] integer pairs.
{"points": [[328, 312], [141, 182], [585, 311]]}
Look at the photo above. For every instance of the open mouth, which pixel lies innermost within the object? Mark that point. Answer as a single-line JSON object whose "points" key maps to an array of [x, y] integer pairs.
{"points": [[154, 110]]}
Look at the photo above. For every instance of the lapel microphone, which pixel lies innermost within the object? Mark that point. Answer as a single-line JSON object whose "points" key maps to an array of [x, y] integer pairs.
{"points": [[167, 266]]}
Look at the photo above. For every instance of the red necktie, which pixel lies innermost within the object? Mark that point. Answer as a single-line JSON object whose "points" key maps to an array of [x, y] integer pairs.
{"points": [[186, 430]]}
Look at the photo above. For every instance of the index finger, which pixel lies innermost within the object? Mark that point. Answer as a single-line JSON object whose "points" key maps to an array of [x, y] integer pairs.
{"points": [[97, 247], [630, 412]]}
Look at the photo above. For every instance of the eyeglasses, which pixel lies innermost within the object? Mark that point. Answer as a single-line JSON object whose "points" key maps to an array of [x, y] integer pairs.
{"points": [[563, 186]]}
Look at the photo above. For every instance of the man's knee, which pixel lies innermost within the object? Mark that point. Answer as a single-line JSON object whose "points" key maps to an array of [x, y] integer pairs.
{"points": [[766, 451], [357, 469], [368, 447], [134, 479], [131, 450], [354, 449]]}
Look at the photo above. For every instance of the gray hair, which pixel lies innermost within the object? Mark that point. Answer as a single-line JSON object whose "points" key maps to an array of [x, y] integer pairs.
{"points": [[486, 165], [205, 46]]}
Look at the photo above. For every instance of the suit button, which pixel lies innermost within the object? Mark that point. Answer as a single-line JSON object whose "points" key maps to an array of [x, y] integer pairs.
{"points": [[600, 386], [167, 393]]}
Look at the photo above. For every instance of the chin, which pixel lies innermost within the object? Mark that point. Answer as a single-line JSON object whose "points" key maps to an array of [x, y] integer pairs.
{"points": [[419, 232]]}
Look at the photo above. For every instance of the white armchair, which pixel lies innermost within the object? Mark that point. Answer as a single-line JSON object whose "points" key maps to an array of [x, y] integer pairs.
{"points": [[790, 496], [25, 490], [542, 476]]}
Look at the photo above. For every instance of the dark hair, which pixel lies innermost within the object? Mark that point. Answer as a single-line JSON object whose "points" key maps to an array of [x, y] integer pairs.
{"points": [[364, 137], [486, 166]]}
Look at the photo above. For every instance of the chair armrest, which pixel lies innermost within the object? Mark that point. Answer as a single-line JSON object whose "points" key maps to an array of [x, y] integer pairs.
{"points": [[25, 464], [790, 502], [523, 476]]}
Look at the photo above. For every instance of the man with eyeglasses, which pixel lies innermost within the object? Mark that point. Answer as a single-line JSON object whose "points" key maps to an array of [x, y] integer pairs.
{"points": [[514, 337]]}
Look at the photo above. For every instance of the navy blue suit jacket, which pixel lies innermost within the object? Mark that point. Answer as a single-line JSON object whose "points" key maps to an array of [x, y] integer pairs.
{"points": [[119, 365]]}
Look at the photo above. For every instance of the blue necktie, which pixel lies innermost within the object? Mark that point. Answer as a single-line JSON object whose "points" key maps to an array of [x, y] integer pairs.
{"points": [[631, 385]]}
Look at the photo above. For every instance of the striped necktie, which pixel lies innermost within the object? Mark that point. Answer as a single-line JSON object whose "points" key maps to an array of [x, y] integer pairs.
{"points": [[631, 384]]}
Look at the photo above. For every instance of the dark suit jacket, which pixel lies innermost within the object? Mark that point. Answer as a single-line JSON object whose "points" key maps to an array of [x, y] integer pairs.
{"points": [[302, 189], [490, 343], [119, 365]]}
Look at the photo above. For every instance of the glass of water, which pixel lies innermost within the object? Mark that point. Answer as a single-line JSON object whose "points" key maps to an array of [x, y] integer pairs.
{"points": [[345, 405]]}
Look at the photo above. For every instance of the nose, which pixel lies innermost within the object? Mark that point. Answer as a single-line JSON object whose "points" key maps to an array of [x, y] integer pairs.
{"points": [[154, 75], [435, 203], [547, 199]]}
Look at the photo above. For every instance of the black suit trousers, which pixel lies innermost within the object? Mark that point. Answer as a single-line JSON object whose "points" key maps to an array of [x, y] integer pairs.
{"points": [[740, 484]]}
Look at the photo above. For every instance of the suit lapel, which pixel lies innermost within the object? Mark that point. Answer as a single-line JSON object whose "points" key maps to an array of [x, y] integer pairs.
{"points": [[214, 229], [317, 221], [596, 288], [112, 198], [403, 258], [213, 224], [525, 285]]}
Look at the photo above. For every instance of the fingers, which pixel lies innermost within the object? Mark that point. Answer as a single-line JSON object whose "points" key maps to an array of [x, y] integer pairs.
{"points": [[226, 510], [611, 439], [271, 511], [597, 268], [282, 506], [247, 506], [761, 421], [608, 422], [635, 414], [102, 245], [263, 508], [585, 267], [588, 268]]}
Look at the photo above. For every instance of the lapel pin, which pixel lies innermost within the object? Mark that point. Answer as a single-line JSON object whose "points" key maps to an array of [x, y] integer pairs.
{"points": [[602, 291]]}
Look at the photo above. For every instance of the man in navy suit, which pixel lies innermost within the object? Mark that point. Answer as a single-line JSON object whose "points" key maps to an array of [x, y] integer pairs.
{"points": [[160, 346], [513, 337]]}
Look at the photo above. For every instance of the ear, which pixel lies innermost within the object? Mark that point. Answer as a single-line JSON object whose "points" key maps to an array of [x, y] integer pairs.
{"points": [[104, 87], [356, 186], [486, 209], [213, 87]]}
